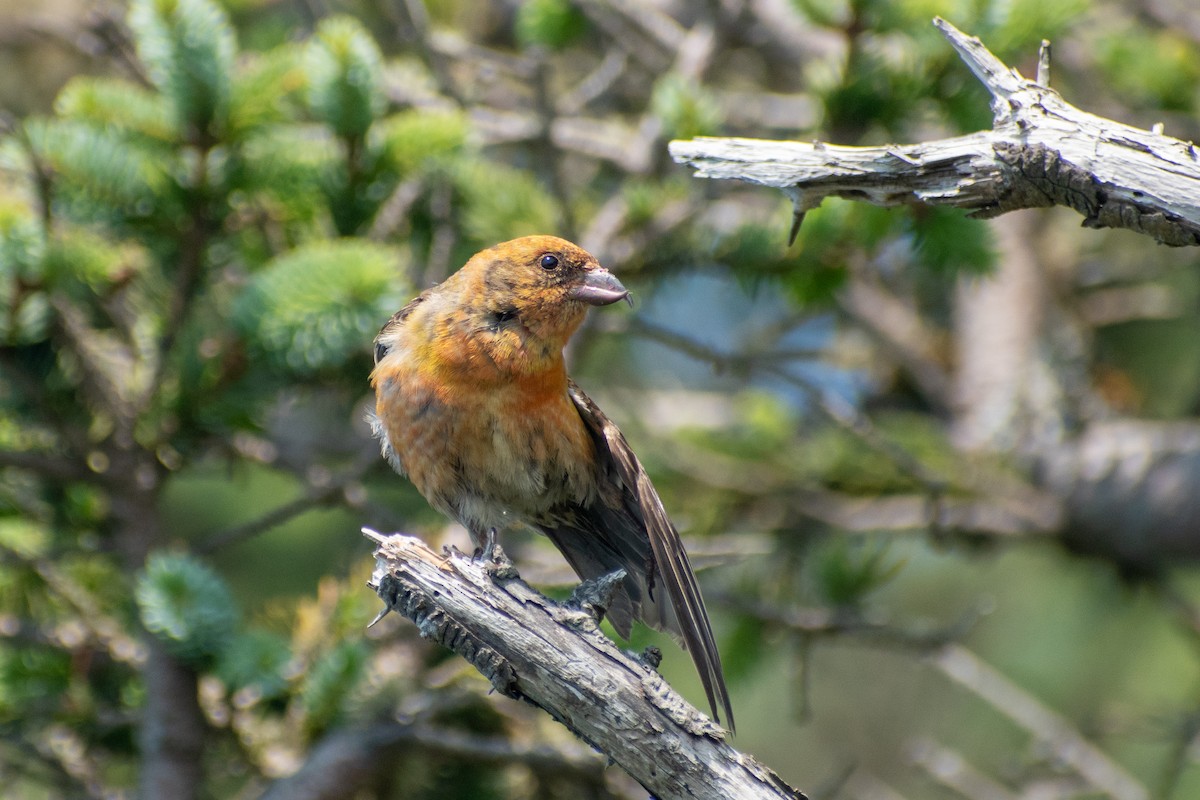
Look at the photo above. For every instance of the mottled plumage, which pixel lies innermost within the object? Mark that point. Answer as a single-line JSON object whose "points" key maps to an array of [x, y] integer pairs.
{"points": [[473, 403]]}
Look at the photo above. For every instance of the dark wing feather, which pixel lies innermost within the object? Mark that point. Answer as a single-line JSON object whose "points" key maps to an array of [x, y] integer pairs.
{"points": [[397, 319], [630, 528]]}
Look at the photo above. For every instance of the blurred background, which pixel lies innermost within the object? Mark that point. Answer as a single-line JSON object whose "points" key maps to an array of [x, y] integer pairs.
{"points": [[943, 474]]}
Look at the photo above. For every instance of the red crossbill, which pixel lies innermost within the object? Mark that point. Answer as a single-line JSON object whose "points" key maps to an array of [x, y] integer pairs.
{"points": [[474, 404]]}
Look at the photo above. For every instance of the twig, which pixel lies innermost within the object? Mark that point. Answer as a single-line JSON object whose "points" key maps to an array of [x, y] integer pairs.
{"points": [[595, 83], [949, 768], [418, 20], [556, 658], [822, 622], [25, 758], [549, 158], [271, 519], [59, 469], [350, 758], [1068, 745], [651, 45], [109, 372], [833, 408], [392, 219], [902, 332], [189, 271]]}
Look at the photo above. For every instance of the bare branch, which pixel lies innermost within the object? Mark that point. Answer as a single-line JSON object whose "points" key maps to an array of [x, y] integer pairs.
{"points": [[271, 519], [949, 768], [903, 332], [1042, 151], [46, 465], [350, 760], [556, 658], [1068, 745]]}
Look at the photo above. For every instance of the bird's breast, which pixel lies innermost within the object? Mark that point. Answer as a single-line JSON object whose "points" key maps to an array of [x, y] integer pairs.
{"points": [[487, 452]]}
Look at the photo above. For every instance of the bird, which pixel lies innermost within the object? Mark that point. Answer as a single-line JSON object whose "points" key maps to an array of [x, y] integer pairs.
{"points": [[474, 405]]}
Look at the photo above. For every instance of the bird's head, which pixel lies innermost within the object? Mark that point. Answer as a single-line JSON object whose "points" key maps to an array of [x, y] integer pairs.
{"points": [[540, 287]]}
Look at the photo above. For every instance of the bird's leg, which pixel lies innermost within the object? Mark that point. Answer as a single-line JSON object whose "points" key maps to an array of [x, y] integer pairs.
{"points": [[492, 555], [596, 594], [488, 551]]}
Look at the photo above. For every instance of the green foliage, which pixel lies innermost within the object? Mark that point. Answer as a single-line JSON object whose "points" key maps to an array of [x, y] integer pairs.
{"points": [[22, 536], [644, 197], [206, 236], [409, 141], [763, 428], [100, 167], [283, 169], [825, 13], [877, 92], [946, 240], [330, 682], [31, 677], [188, 48], [316, 306], [266, 90], [80, 261], [116, 103], [187, 606], [258, 660], [1154, 69], [23, 310], [344, 68], [549, 23], [849, 569], [500, 202], [838, 227], [1015, 28], [742, 648], [686, 108]]}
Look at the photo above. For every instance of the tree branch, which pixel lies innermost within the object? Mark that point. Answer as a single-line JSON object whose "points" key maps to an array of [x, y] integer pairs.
{"points": [[555, 657], [1041, 151], [350, 760], [46, 465], [1051, 729]]}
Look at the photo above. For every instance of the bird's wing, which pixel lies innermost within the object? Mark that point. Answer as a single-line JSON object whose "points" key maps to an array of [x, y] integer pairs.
{"points": [[381, 348], [627, 523]]}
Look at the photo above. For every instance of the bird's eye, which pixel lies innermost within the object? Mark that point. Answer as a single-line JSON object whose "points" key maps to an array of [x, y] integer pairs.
{"points": [[548, 262]]}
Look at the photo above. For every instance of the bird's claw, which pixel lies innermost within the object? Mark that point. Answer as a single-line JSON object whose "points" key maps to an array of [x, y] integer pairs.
{"points": [[493, 557], [596, 594], [651, 657], [486, 552]]}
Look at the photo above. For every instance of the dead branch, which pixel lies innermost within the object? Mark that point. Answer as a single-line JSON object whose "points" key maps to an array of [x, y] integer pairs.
{"points": [[1042, 151], [555, 657]]}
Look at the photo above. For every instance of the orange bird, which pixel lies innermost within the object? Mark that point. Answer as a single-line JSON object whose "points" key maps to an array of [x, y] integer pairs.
{"points": [[474, 404]]}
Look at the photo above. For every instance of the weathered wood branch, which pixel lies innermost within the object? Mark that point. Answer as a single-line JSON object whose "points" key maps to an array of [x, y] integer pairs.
{"points": [[1041, 151], [555, 656]]}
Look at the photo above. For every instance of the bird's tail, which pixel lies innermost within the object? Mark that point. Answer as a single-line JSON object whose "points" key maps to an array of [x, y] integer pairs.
{"points": [[659, 589]]}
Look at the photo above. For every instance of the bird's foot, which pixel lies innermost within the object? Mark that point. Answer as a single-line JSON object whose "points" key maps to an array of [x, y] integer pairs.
{"points": [[495, 561], [490, 546], [650, 657], [596, 595], [487, 551]]}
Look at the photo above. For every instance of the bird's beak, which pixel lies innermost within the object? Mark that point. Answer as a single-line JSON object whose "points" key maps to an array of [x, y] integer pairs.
{"points": [[599, 287]]}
